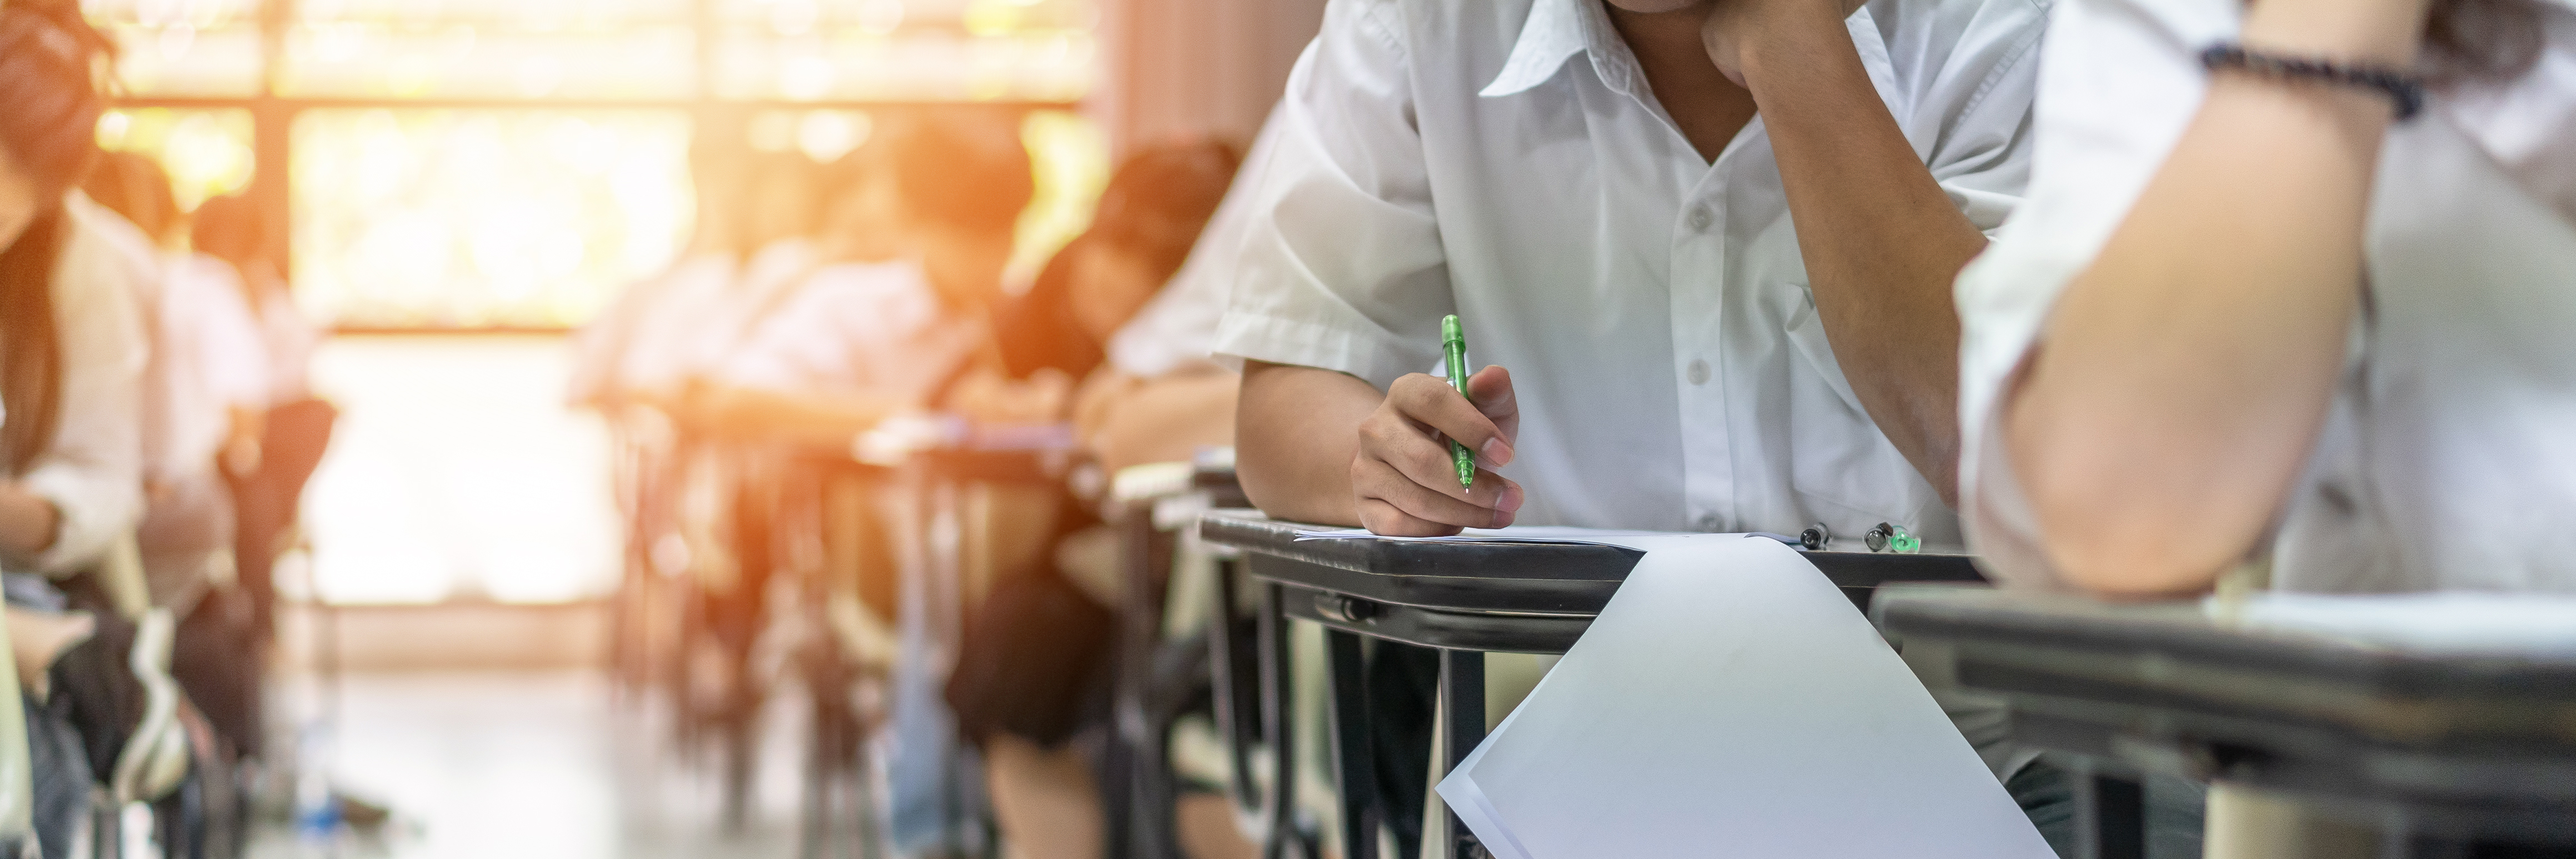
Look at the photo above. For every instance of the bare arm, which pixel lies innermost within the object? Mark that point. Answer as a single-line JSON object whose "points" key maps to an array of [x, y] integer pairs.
{"points": [[2182, 379], [1295, 432], [1319, 446], [1882, 241]]}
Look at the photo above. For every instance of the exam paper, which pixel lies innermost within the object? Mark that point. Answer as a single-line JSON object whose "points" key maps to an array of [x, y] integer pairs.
{"points": [[1729, 701]]}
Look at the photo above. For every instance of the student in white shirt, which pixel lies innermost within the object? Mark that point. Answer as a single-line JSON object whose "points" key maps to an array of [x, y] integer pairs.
{"points": [[862, 339], [1706, 249], [71, 347], [681, 335], [2256, 318], [1636, 236], [205, 389]]}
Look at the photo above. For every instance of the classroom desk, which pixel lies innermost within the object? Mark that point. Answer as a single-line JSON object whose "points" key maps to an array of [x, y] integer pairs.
{"points": [[2435, 752], [1466, 600]]}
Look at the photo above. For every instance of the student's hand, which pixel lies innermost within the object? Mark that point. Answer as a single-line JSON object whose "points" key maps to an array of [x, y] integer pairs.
{"points": [[1733, 25], [1403, 478]]}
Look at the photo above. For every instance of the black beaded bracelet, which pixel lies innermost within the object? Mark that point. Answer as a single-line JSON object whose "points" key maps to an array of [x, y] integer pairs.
{"points": [[2404, 89]]}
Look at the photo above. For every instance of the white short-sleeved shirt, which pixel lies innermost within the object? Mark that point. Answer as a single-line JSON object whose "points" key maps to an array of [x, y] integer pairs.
{"points": [[857, 328], [2448, 459], [1505, 160]]}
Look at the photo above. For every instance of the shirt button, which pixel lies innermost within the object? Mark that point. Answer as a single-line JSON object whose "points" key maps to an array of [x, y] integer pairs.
{"points": [[1698, 372], [1700, 218]]}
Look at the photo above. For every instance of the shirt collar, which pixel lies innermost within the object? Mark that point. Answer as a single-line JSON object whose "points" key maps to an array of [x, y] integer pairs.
{"points": [[1556, 31]]}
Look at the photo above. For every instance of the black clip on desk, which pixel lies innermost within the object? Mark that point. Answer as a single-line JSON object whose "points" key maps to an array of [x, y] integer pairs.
{"points": [[1466, 600], [2437, 752]]}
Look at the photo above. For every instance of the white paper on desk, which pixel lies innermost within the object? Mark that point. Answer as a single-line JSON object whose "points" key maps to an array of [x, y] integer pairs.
{"points": [[1514, 534], [1729, 701]]}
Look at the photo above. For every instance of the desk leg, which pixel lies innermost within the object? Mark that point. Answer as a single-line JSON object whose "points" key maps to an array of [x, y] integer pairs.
{"points": [[1278, 720], [1462, 709], [1354, 758], [2110, 815], [1238, 723]]}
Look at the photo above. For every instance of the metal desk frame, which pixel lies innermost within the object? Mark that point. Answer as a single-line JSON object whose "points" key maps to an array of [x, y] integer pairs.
{"points": [[2440, 753]]}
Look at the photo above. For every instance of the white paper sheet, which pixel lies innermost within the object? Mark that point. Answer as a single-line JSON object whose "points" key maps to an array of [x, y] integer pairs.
{"points": [[1729, 701]]}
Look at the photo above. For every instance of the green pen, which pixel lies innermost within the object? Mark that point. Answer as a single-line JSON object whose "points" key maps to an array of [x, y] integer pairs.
{"points": [[1453, 342]]}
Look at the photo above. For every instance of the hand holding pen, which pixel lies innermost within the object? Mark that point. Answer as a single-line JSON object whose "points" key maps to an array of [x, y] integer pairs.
{"points": [[1406, 474]]}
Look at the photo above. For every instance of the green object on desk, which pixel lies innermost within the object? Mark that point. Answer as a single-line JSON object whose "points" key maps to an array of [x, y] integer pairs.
{"points": [[1453, 344]]}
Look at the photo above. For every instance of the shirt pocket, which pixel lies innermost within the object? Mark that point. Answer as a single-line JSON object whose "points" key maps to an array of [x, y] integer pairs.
{"points": [[1845, 472]]}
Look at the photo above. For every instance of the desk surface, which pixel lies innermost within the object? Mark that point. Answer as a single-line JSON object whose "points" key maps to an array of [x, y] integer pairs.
{"points": [[2483, 744], [1548, 578]]}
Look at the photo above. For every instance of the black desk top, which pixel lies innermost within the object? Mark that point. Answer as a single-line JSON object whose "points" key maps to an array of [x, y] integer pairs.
{"points": [[2465, 739], [1551, 578]]}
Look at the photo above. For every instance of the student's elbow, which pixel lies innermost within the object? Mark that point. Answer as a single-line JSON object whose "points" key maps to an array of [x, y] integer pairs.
{"points": [[1277, 458], [2107, 537]]}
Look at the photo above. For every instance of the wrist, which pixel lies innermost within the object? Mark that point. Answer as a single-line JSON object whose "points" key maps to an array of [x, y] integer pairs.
{"points": [[1789, 36]]}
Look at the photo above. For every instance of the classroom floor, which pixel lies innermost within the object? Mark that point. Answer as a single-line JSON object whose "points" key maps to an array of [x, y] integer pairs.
{"points": [[532, 764]]}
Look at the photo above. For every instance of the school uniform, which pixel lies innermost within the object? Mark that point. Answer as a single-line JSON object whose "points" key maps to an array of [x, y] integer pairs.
{"points": [[857, 328], [92, 473], [1506, 161], [2445, 458]]}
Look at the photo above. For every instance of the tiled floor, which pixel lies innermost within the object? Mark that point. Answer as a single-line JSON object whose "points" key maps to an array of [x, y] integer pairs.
{"points": [[499, 766]]}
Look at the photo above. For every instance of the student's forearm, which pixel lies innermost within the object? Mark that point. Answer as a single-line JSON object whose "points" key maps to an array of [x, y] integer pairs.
{"points": [[29, 524], [1296, 432], [1882, 241], [2182, 378]]}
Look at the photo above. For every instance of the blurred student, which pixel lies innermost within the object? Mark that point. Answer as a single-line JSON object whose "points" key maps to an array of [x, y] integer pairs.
{"points": [[1031, 685], [279, 444], [687, 328], [2262, 318], [901, 306], [706, 266], [205, 389], [72, 351]]}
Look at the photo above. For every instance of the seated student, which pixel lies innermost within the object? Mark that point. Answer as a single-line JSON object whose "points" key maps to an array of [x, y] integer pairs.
{"points": [[1705, 247], [2259, 318], [676, 336], [1030, 685], [205, 391], [863, 337], [277, 445], [706, 266], [71, 351]]}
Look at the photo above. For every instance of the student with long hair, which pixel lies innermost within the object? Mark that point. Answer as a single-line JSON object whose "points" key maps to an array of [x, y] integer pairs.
{"points": [[2291, 294], [71, 349], [71, 357]]}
